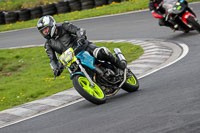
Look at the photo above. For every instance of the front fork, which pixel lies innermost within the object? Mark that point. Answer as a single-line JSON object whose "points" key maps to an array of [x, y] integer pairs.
{"points": [[85, 73]]}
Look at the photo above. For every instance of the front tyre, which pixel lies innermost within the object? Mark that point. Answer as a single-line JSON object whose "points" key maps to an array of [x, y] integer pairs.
{"points": [[83, 86], [194, 23], [131, 84]]}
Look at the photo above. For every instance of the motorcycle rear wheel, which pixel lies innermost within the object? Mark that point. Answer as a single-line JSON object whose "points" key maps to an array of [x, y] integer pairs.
{"points": [[131, 84], [94, 95], [194, 23]]}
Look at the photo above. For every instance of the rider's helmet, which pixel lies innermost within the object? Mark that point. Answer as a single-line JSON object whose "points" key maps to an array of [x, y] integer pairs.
{"points": [[47, 26]]}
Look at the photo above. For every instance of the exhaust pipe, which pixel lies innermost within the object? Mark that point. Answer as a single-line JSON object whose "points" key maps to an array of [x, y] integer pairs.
{"points": [[119, 55]]}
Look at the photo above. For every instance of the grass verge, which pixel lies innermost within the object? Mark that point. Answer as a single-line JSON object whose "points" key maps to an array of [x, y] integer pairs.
{"points": [[12, 5], [25, 74], [113, 8]]}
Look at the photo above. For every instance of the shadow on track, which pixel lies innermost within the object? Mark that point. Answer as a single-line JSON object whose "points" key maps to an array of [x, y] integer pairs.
{"points": [[183, 35], [112, 100]]}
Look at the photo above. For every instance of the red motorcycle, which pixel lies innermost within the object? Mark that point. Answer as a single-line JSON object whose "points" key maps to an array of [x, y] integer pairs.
{"points": [[181, 15]]}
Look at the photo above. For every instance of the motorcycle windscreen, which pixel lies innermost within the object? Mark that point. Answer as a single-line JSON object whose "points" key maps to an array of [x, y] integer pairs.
{"points": [[169, 4], [174, 6]]}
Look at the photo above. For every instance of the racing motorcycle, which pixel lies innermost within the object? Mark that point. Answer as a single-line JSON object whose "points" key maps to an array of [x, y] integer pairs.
{"points": [[181, 15], [94, 79]]}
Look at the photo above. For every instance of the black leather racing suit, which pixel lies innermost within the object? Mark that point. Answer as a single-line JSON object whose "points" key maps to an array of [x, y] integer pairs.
{"points": [[67, 37], [155, 5]]}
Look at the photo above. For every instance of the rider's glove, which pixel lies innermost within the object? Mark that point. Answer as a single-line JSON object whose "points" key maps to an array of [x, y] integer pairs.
{"points": [[81, 41], [156, 15], [58, 70], [81, 33]]}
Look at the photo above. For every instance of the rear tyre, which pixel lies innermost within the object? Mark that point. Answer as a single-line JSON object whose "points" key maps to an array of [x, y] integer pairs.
{"points": [[11, 17], [131, 84], [49, 9], [74, 5], [194, 23], [94, 95], [186, 31], [36, 12], [2, 17], [62, 7], [24, 14]]}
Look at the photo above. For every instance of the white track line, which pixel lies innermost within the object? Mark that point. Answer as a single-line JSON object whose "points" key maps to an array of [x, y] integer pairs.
{"points": [[12, 123], [184, 47], [184, 53]]}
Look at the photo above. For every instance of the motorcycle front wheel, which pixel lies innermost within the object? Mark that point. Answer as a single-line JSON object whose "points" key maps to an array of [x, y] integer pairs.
{"points": [[93, 94], [131, 84], [194, 23]]}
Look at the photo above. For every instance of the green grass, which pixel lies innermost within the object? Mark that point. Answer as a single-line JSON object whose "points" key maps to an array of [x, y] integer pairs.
{"points": [[99, 11], [12, 5], [192, 0], [25, 74]]}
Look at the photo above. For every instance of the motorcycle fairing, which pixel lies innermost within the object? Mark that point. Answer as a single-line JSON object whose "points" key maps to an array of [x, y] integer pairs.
{"points": [[186, 16], [86, 59]]}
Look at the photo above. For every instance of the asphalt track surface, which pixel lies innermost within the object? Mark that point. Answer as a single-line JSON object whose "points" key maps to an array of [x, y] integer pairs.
{"points": [[168, 100]]}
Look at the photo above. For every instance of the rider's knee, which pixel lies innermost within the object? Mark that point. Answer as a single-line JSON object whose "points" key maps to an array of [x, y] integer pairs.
{"points": [[102, 51]]}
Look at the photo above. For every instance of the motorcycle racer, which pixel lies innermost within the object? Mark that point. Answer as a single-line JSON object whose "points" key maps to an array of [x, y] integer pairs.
{"points": [[158, 12], [60, 37]]}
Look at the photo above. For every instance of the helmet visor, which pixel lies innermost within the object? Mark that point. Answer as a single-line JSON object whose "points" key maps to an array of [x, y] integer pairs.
{"points": [[45, 31]]}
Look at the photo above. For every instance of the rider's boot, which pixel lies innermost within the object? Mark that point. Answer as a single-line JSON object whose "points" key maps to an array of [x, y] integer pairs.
{"points": [[115, 61], [175, 27], [103, 53]]}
